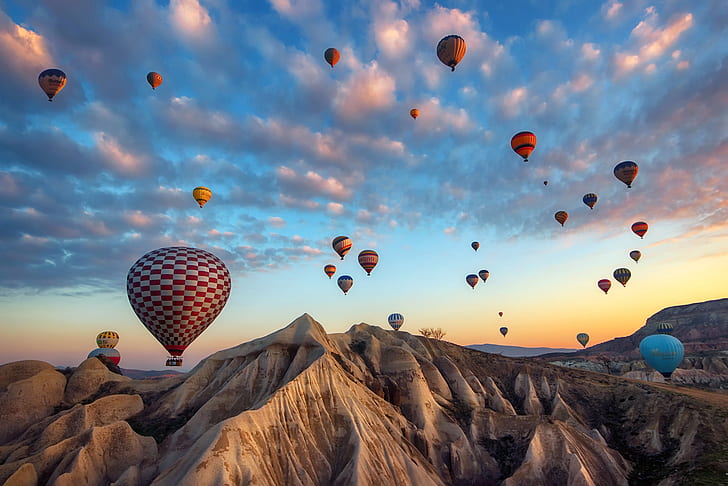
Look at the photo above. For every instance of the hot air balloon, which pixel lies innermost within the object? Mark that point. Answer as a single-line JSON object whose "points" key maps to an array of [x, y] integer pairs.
{"points": [[330, 270], [622, 275], [504, 331], [52, 81], [414, 113], [107, 339], [605, 284], [639, 228], [332, 56], [545, 183], [475, 245], [345, 282], [635, 255], [583, 338], [177, 293], [201, 195], [342, 245], [154, 79], [500, 314], [662, 352], [590, 199], [368, 260], [450, 50], [561, 217], [523, 144], [626, 172], [664, 328], [395, 320], [484, 274], [472, 280], [111, 354]]}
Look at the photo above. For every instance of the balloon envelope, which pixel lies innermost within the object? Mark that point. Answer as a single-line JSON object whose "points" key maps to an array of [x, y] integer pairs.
{"points": [[583, 338], [484, 274], [590, 199], [561, 217], [523, 143], [201, 195], [639, 228], [332, 56], [504, 331], [107, 339], [626, 172], [112, 354], [345, 282], [662, 352], [52, 81], [414, 113], [368, 259], [622, 275], [664, 328], [605, 284], [472, 280], [500, 314], [154, 79], [177, 292], [450, 50], [475, 245], [395, 320], [341, 245], [330, 270], [635, 255]]}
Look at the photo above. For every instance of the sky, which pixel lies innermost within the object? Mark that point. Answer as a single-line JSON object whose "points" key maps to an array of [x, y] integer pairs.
{"points": [[297, 153]]}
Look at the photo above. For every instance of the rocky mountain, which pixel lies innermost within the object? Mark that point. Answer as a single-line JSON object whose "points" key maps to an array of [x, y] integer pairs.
{"points": [[517, 351], [365, 407]]}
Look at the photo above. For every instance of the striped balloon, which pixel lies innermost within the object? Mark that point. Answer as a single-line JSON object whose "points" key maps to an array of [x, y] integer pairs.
{"points": [[201, 195], [484, 274], [605, 284], [664, 328], [345, 282], [583, 339], [451, 50], [330, 270], [561, 217], [395, 320], [523, 144], [626, 172], [368, 260], [590, 199], [111, 354], [342, 245], [635, 255], [639, 228], [472, 280], [622, 275]]}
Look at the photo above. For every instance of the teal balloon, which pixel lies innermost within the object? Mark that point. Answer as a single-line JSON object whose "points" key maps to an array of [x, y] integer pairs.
{"points": [[663, 352]]}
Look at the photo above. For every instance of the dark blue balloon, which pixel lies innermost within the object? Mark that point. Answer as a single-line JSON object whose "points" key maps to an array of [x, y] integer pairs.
{"points": [[662, 352]]}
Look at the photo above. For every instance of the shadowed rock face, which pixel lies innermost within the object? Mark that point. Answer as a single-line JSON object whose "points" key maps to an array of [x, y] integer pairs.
{"points": [[366, 407]]}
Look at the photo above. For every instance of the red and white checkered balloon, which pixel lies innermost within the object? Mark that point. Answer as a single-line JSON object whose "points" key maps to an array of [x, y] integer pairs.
{"points": [[177, 292]]}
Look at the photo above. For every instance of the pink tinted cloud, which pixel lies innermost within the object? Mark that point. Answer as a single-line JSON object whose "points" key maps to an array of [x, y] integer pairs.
{"points": [[191, 20], [367, 90], [277, 221], [25, 52], [312, 183], [119, 158]]}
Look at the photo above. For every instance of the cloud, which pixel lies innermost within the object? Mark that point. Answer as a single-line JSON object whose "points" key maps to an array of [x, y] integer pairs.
{"points": [[393, 37], [277, 221], [311, 184], [367, 90], [190, 19], [612, 9]]}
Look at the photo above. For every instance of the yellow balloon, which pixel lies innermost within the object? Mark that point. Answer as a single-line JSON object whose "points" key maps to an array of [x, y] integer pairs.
{"points": [[201, 195]]}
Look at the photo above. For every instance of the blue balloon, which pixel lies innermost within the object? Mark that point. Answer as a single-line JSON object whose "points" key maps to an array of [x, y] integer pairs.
{"points": [[396, 320], [663, 352]]}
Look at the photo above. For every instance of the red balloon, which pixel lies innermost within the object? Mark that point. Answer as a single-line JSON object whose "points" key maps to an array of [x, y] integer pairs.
{"points": [[605, 284], [639, 228]]}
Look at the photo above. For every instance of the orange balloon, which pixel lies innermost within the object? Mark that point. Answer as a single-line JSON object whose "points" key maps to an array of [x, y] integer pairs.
{"points": [[332, 56], [414, 113]]}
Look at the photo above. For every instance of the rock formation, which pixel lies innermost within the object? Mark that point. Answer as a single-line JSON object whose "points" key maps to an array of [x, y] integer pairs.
{"points": [[365, 407]]}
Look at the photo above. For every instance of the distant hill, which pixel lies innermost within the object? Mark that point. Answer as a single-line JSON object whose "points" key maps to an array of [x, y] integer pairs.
{"points": [[149, 374], [517, 351]]}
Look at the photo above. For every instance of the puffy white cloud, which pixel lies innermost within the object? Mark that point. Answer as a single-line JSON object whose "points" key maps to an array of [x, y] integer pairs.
{"points": [[190, 19], [393, 37], [277, 221], [612, 9], [24, 51], [367, 90], [312, 184], [119, 159]]}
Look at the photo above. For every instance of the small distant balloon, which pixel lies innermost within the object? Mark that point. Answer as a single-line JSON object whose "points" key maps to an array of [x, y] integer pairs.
{"points": [[332, 56], [635, 255], [662, 352], [345, 282], [626, 172], [475, 245], [395, 320], [545, 183], [472, 280], [604, 284], [583, 338], [341, 245], [52, 81], [484, 274], [112, 354], [330, 270], [523, 143], [500, 314], [451, 50], [201, 195], [622, 275], [414, 113], [639, 228], [504, 331], [664, 328], [107, 339], [561, 217], [590, 199], [154, 79], [368, 259]]}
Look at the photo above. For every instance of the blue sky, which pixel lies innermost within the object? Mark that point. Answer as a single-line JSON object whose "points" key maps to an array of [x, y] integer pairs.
{"points": [[297, 153]]}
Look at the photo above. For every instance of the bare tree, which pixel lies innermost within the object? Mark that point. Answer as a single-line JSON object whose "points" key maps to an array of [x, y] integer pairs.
{"points": [[426, 331], [432, 332]]}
